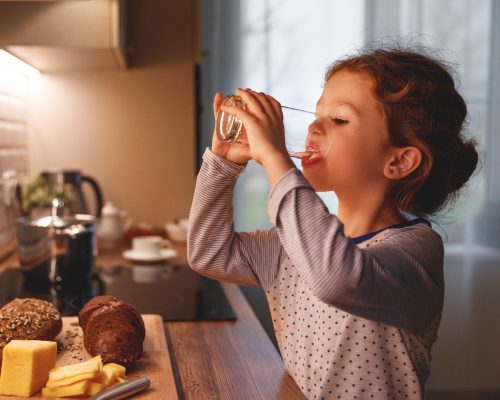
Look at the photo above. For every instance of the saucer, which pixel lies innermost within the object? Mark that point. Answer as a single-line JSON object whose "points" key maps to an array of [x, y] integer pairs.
{"points": [[166, 254]]}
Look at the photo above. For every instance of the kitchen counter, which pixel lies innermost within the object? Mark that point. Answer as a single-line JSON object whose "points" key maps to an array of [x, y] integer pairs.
{"points": [[224, 359], [217, 359], [228, 360]]}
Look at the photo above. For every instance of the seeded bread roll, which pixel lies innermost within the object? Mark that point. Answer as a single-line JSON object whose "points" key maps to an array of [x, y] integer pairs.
{"points": [[113, 329], [28, 319]]}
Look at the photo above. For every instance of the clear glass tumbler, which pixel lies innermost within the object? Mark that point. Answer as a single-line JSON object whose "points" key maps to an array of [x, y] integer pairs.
{"points": [[229, 128]]}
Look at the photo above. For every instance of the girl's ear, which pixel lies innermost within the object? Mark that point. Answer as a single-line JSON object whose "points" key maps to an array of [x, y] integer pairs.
{"points": [[402, 162]]}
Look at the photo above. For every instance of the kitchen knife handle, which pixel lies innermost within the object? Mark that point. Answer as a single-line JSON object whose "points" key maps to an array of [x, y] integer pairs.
{"points": [[123, 390]]}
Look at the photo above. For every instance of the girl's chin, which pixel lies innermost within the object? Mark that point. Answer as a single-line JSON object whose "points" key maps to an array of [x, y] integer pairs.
{"points": [[317, 181]]}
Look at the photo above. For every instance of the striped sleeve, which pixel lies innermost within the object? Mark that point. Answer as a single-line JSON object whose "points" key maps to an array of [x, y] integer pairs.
{"points": [[398, 281], [214, 248]]}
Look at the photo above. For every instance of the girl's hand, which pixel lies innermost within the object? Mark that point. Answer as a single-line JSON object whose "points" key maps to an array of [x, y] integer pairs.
{"points": [[263, 123], [234, 152]]}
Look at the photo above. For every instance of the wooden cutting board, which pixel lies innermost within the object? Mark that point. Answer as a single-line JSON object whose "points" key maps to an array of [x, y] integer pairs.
{"points": [[155, 364]]}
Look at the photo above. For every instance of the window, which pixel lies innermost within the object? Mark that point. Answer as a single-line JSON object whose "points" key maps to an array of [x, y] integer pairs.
{"points": [[284, 47], [465, 357]]}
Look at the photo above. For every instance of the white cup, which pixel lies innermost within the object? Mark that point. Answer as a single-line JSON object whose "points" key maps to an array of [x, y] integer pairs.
{"points": [[149, 246]]}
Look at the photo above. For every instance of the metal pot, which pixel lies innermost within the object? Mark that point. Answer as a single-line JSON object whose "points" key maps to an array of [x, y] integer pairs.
{"points": [[57, 259]]}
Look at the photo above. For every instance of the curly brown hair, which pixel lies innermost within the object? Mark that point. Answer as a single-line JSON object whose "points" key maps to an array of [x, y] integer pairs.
{"points": [[422, 108]]}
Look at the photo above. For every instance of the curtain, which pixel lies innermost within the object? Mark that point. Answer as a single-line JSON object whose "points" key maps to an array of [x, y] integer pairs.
{"points": [[466, 355]]}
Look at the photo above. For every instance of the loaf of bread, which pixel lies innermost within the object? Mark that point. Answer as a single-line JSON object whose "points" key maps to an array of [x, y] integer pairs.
{"points": [[29, 319], [113, 329], [92, 305]]}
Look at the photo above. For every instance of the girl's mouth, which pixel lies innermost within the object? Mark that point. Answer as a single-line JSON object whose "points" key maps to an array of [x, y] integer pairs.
{"points": [[314, 157]]}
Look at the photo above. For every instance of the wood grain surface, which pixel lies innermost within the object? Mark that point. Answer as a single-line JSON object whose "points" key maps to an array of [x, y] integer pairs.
{"points": [[228, 359], [155, 363]]}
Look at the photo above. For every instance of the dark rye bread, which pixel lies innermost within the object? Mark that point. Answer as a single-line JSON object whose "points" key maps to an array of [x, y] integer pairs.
{"points": [[111, 303], [122, 347], [113, 329], [92, 305], [109, 318], [28, 319]]}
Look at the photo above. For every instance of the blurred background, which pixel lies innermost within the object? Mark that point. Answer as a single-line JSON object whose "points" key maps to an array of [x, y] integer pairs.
{"points": [[283, 48]]}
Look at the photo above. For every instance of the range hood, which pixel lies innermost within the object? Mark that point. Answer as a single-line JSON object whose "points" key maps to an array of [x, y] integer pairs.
{"points": [[65, 35]]}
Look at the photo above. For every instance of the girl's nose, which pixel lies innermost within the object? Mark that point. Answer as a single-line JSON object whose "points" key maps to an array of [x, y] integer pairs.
{"points": [[316, 127]]}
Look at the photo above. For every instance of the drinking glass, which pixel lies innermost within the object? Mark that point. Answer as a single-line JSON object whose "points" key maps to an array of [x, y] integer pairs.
{"points": [[229, 128]]}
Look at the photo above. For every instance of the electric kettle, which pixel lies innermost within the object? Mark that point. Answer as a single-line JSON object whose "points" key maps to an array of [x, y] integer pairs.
{"points": [[75, 180]]}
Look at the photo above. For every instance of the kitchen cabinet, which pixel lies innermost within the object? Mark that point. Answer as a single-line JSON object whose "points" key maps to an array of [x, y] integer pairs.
{"points": [[66, 35]]}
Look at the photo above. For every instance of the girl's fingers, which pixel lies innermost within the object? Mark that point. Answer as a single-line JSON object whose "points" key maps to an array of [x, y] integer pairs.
{"points": [[243, 115], [265, 100], [276, 106], [253, 103], [272, 110], [217, 102]]}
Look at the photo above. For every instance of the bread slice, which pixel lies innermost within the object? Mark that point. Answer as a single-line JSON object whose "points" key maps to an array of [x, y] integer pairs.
{"points": [[91, 306], [113, 329], [100, 302], [28, 319], [122, 346], [109, 318], [134, 316]]}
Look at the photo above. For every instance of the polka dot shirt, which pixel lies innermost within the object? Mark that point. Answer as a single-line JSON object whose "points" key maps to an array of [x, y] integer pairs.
{"points": [[333, 354], [353, 320]]}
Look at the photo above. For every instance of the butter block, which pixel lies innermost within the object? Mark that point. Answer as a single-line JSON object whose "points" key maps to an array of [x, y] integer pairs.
{"points": [[26, 365]]}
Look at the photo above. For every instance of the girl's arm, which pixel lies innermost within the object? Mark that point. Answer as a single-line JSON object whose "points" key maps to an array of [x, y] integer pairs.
{"points": [[398, 281], [214, 248]]}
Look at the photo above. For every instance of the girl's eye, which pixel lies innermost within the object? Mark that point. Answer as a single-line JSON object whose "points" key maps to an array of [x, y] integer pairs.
{"points": [[339, 121]]}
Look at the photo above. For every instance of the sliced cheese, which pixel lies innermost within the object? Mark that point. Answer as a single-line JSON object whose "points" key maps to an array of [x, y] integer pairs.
{"points": [[94, 388], [71, 379], [26, 365], [119, 370], [92, 366], [106, 376], [75, 389]]}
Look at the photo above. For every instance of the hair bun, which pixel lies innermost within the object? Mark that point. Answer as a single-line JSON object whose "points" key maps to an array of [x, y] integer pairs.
{"points": [[465, 162]]}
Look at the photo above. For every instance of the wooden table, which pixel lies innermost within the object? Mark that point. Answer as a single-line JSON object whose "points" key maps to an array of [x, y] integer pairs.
{"points": [[228, 360]]}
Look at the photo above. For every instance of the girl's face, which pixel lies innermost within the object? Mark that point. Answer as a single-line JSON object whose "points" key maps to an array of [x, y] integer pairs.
{"points": [[349, 120]]}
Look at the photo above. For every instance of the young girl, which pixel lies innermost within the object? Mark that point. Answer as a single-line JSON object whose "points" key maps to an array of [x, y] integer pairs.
{"points": [[355, 298]]}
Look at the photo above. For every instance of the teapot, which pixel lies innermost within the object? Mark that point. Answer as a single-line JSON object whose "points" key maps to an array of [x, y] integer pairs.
{"points": [[112, 224]]}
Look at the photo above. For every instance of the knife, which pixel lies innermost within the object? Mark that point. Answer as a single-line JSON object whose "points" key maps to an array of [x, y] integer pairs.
{"points": [[123, 390]]}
